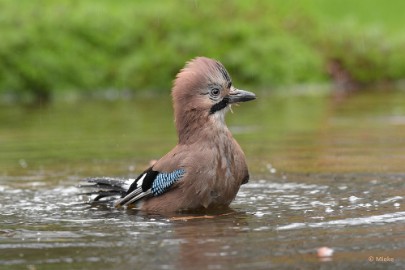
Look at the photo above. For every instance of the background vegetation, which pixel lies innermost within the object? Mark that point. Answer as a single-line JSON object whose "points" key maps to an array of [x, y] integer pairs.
{"points": [[62, 47]]}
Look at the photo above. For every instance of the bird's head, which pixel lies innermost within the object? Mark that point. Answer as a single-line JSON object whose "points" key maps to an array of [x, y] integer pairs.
{"points": [[203, 89]]}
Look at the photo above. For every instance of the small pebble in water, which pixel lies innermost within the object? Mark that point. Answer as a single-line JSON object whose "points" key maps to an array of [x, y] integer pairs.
{"points": [[325, 252]]}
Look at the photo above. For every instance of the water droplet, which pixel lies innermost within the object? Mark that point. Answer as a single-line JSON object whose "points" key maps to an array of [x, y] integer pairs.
{"points": [[397, 205], [23, 163], [259, 214], [354, 198], [271, 168]]}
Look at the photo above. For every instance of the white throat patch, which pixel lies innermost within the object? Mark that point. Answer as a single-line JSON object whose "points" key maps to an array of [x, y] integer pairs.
{"points": [[219, 117]]}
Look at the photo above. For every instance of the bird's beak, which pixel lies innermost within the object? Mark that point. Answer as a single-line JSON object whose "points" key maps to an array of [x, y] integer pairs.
{"points": [[237, 95]]}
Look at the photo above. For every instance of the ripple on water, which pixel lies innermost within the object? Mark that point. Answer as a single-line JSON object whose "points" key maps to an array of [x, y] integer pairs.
{"points": [[378, 219], [272, 216]]}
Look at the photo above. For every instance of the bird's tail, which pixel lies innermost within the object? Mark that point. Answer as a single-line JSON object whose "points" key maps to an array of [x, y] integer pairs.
{"points": [[105, 187]]}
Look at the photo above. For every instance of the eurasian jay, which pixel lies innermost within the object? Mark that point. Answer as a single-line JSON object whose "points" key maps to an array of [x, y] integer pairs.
{"points": [[207, 166]]}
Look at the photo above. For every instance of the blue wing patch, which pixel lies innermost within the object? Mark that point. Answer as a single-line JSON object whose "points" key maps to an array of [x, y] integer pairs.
{"points": [[150, 183], [164, 181]]}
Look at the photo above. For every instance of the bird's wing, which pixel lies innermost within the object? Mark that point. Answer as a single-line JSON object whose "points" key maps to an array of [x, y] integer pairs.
{"points": [[105, 187], [150, 184]]}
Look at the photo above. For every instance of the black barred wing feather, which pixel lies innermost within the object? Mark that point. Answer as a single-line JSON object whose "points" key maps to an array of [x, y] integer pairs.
{"points": [[103, 187]]}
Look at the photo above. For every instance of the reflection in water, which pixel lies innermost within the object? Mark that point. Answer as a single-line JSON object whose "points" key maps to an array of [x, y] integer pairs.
{"points": [[209, 242], [323, 174]]}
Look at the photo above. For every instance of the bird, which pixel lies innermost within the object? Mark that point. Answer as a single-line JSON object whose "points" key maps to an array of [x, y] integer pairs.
{"points": [[207, 167]]}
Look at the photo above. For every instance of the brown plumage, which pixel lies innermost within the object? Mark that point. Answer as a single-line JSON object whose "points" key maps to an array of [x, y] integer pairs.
{"points": [[207, 166]]}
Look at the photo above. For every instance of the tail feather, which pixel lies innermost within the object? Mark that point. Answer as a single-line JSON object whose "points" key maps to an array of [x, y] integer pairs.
{"points": [[105, 187]]}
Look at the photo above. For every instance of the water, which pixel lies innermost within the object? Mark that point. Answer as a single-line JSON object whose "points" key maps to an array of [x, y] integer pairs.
{"points": [[323, 174]]}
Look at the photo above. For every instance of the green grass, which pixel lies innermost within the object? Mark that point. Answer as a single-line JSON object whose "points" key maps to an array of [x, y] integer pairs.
{"points": [[57, 47]]}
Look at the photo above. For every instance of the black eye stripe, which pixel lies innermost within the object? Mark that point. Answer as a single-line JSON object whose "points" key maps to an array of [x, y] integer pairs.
{"points": [[220, 105]]}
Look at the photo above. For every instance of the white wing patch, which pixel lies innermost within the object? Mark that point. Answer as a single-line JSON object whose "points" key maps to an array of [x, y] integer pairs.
{"points": [[128, 183]]}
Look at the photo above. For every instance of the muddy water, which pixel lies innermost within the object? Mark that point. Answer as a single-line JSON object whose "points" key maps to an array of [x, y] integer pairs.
{"points": [[323, 174]]}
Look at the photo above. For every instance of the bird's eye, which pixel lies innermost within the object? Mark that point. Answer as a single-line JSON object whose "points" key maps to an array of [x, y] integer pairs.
{"points": [[215, 92]]}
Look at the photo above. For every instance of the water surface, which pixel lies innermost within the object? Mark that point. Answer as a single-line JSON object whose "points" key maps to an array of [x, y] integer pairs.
{"points": [[322, 174]]}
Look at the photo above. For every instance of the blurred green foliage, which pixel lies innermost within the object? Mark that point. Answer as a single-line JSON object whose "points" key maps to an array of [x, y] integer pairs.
{"points": [[49, 47]]}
